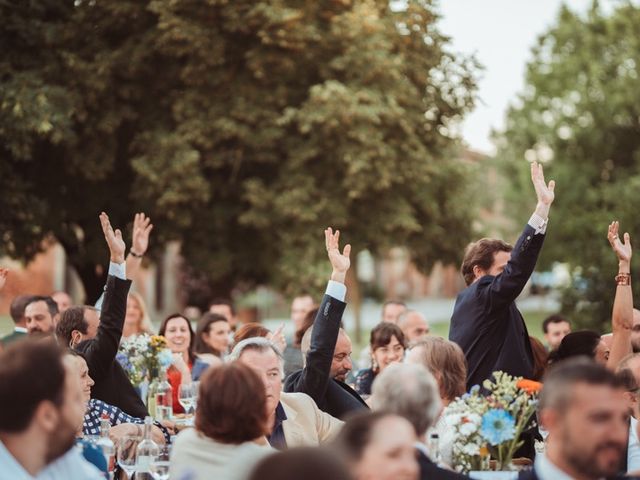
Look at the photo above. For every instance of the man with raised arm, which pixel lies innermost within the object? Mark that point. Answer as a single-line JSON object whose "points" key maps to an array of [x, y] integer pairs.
{"points": [[486, 322], [111, 383], [327, 359]]}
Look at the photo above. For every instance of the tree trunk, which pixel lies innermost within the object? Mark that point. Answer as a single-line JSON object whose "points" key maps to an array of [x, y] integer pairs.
{"points": [[93, 281], [355, 298]]}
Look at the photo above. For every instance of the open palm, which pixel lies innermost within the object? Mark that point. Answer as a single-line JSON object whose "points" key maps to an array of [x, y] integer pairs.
{"points": [[339, 261], [623, 250]]}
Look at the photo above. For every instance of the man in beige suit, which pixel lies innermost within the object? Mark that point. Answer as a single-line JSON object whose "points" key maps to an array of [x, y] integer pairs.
{"points": [[295, 419]]}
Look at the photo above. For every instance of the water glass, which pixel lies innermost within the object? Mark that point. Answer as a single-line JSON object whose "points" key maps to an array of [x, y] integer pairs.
{"points": [[187, 396], [126, 454], [160, 463]]}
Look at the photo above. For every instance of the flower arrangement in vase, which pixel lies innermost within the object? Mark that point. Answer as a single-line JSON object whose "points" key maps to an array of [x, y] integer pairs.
{"points": [[487, 423]]}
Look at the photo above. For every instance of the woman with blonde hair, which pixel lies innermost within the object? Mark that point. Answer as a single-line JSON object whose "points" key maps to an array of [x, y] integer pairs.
{"points": [[136, 320]]}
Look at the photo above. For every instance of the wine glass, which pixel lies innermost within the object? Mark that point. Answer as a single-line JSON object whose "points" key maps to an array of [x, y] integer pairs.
{"points": [[126, 454], [187, 396], [196, 392], [160, 463]]}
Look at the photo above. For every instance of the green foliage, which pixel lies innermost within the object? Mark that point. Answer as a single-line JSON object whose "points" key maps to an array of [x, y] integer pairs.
{"points": [[580, 112], [242, 128]]}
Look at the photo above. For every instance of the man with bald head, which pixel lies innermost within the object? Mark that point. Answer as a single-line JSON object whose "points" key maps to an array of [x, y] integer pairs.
{"points": [[413, 325], [326, 348]]}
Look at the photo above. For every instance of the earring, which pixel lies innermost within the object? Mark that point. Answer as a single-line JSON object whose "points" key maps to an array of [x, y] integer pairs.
{"points": [[374, 364]]}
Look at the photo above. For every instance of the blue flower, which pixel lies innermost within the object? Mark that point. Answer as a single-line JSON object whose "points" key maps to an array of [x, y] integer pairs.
{"points": [[165, 357], [497, 426], [475, 389]]}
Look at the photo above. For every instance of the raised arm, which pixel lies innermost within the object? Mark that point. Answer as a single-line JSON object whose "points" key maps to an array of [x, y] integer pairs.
{"points": [[100, 351], [506, 286], [316, 373], [142, 227], [622, 315]]}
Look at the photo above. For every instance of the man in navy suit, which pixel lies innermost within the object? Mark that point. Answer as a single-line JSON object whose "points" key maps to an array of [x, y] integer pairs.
{"points": [[486, 322], [582, 406], [326, 347]]}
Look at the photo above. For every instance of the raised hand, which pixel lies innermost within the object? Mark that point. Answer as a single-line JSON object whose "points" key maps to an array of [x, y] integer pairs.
{"points": [[3, 276], [277, 338], [623, 250], [544, 191], [339, 261], [113, 238], [142, 227]]}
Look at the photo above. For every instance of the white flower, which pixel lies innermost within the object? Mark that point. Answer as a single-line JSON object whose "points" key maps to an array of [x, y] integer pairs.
{"points": [[471, 449], [468, 428], [475, 419]]}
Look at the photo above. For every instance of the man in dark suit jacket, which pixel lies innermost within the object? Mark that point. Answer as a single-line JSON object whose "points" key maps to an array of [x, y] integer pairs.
{"points": [[583, 407], [327, 359], [111, 382], [486, 322], [17, 315]]}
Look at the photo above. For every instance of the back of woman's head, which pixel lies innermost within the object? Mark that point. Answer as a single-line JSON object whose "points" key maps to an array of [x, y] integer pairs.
{"points": [[446, 361], [575, 344], [232, 404], [250, 330], [308, 463]]}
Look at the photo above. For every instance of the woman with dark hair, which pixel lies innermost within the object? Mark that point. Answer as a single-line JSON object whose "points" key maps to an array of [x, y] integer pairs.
{"points": [[231, 421], [581, 343], [177, 330], [540, 359], [387, 347], [378, 446], [212, 338]]}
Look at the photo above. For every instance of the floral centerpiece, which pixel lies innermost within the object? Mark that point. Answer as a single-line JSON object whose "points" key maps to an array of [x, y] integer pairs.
{"points": [[489, 424], [143, 357]]}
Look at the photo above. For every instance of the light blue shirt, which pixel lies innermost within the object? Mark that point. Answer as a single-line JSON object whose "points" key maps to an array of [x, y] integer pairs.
{"points": [[336, 290], [71, 466]]}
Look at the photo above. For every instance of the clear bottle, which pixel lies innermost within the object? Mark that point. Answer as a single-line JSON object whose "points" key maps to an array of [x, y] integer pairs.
{"points": [[105, 443], [434, 448], [147, 449], [163, 399]]}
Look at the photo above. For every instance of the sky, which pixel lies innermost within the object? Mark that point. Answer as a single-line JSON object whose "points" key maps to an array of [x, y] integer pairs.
{"points": [[501, 34]]}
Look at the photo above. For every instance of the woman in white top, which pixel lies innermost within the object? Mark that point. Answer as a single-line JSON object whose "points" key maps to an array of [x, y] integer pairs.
{"points": [[230, 427]]}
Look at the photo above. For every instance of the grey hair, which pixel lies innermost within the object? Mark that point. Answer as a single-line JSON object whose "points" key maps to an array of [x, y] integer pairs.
{"points": [[259, 344], [408, 390]]}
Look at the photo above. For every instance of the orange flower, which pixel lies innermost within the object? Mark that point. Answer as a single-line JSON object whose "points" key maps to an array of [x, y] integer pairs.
{"points": [[529, 386]]}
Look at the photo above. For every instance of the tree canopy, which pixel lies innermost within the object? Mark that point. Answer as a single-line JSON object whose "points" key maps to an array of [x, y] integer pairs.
{"points": [[580, 114], [242, 128]]}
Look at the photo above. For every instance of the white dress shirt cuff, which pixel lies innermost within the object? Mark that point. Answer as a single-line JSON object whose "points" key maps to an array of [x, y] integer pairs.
{"points": [[118, 270], [538, 223], [336, 290]]}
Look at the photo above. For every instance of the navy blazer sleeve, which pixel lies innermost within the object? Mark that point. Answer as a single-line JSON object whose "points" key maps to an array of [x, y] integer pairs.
{"points": [[101, 351], [501, 290], [316, 374]]}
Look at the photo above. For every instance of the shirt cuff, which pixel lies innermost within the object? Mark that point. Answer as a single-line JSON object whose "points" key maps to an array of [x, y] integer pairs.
{"points": [[336, 290], [118, 270], [538, 223]]}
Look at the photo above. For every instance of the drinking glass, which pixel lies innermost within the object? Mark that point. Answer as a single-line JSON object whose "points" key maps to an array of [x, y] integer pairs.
{"points": [[160, 463], [126, 454], [187, 397]]}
